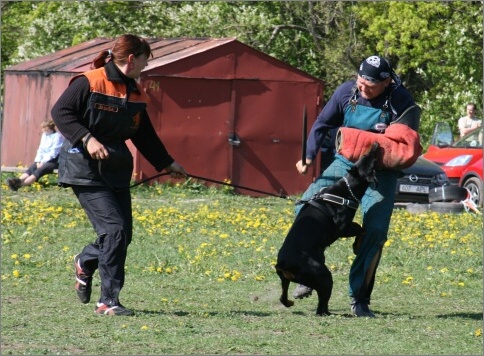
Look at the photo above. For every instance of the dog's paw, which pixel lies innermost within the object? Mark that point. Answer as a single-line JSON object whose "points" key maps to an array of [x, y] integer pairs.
{"points": [[286, 302]]}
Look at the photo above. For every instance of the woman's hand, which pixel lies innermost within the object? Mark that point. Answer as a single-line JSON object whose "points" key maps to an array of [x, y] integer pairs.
{"points": [[96, 149], [176, 171]]}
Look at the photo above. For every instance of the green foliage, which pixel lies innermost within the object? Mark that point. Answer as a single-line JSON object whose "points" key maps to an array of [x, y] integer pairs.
{"points": [[435, 46]]}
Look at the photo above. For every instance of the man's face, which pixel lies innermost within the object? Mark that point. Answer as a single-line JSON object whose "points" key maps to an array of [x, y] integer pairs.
{"points": [[370, 90], [471, 110]]}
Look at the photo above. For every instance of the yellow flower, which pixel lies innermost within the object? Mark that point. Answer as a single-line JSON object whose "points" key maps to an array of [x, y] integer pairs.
{"points": [[16, 273], [144, 327], [27, 256], [14, 256], [478, 332]]}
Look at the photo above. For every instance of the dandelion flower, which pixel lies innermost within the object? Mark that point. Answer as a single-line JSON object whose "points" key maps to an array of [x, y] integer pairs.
{"points": [[16, 273]]}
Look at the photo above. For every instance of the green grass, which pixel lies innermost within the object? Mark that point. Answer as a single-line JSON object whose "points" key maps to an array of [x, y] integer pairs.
{"points": [[200, 277]]}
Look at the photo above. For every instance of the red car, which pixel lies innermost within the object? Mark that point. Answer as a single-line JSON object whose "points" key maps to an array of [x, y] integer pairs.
{"points": [[454, 158], [472, 179]]}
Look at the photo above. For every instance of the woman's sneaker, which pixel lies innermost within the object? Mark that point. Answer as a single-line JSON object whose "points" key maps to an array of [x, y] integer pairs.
{"points": [[103, 309], [83, 282]]}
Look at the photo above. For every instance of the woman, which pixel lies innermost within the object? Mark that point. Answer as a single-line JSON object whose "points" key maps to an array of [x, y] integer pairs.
{"points": [[46, 159], [97, 113]]}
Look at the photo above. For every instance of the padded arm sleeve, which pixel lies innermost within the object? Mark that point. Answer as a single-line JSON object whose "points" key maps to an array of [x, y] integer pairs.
{"points": [[400, 145]]}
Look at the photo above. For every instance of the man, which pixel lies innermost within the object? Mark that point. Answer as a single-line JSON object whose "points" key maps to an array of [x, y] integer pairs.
{"points": [[469, 122], [370, 104]]}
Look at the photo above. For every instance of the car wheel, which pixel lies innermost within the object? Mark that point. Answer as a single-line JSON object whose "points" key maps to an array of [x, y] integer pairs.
{"points": [[474, 186], [417, 208], [444, 207], [447, 193]]}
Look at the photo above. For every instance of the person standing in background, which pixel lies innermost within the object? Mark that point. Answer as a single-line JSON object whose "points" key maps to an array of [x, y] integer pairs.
{"points": [[469, 122]]}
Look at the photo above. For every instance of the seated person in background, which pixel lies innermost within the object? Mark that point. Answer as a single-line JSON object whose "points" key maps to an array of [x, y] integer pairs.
{"points": [[46, 159]]}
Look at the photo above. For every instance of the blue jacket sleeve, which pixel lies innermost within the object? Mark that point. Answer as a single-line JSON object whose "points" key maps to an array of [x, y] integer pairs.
{"points": [[330, 117]]}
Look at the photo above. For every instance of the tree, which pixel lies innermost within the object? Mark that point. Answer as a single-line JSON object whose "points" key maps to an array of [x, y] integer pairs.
{"points": [[436, 46]]}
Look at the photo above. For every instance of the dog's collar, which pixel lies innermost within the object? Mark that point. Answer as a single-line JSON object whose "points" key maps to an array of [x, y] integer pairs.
{"points": [[333, 199], [349, 188], [340, 200]]}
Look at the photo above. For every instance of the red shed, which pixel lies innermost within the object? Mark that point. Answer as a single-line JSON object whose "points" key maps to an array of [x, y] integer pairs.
{"points": [[223, 109]]}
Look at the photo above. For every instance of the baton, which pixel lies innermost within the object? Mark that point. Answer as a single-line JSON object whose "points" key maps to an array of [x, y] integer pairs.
{"points": [[304, 135]]}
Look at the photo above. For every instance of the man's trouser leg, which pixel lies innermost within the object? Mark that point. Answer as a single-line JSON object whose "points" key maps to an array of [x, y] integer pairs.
{"points": [[333, 173], [377, 208]]}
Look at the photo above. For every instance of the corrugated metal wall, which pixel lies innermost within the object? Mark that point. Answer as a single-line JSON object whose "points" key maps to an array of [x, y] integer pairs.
{"points": [[205, 94]]}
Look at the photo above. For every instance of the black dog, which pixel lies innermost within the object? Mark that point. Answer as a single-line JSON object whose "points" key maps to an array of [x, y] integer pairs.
{"points": [[321, 221]]}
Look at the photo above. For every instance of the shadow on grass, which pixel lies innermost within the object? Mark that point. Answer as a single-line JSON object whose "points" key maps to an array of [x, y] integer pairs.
{"points": [[473, 316], [185, 313]]}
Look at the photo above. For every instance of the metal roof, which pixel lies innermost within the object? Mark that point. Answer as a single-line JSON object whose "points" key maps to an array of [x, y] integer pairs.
{"points": [[79, 57]]}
